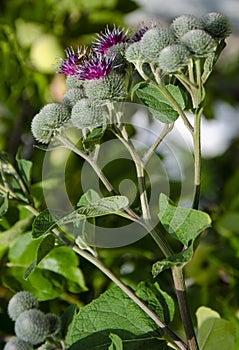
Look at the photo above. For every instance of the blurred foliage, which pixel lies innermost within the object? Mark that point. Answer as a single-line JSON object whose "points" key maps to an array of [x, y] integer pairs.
{"points": [[32, 35]]}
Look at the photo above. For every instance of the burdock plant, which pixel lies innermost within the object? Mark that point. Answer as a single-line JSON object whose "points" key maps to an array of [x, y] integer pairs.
{"points": [[164, 69]]}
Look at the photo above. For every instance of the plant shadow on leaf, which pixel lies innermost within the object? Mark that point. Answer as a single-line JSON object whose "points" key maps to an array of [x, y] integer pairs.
{"points": [[101, 341]]}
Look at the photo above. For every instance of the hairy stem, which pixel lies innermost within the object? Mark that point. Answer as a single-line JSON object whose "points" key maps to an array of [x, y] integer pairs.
{"points": [[180, 288], [197, 158], [69, 145], [167, 128]]}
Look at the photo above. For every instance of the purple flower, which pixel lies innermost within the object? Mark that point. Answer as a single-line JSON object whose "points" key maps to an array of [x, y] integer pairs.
{"points": [[108, 39], [143, 28], [96, 67], [71, 65]]}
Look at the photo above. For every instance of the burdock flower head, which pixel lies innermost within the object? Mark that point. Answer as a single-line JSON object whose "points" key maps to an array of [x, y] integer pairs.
{"points": [[143, 27], [95, 67], [73, 61], [108, 39]]}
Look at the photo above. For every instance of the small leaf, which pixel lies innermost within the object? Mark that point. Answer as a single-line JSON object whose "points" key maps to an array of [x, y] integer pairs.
{"points": [[117, 343], [182, 223], [157, 300], [93, 138], [160, 106], [89, 197], [24, 167], [177, 259], [46, 245], [214, 332], [45, 222], [3, 205], [136, 87], [178, 94], [42, 224], [101, 207]]}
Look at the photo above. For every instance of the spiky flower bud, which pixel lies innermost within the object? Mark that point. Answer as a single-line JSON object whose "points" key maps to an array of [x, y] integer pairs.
{"points": [[173, 58], [87, 114], [21, 302], [199, 42], [183, 24], [111, 87], [153, 41], [217, 25], [54, 323], [49, 121], [32, 326], [133, 53], [17, 344], [73, 82], [71, 97]]}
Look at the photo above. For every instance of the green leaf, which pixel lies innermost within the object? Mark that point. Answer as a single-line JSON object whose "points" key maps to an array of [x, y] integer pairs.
{"points": [[93, 138], [214, 332], [44, 222], [178, 94], [44, 284], [177, 259], [63, 261], [182, 223], [113, 312], [3, 205], [160, 106], [46, 245], [24, 167], [8, 237], [157, 300], [117, 343], [87, 198]]}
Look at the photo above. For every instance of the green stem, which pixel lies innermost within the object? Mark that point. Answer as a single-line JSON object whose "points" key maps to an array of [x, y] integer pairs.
{"points": [[191, 71], [139, 171], [199, 80], [179, 284], [69, 145], [167, 128], [139, 68], [197, 158], [177, 107]]}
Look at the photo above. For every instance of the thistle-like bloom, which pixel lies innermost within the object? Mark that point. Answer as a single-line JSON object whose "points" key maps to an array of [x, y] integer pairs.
{"points": [[72, 63], [108, 39], [96, 67], [143, 27]]}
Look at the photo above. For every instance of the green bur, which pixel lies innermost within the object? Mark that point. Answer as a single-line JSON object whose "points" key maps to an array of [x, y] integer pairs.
{"points": [[153, 41], [21, 302], [199, 43], [48, 121], [173, 57], [32, 326]]}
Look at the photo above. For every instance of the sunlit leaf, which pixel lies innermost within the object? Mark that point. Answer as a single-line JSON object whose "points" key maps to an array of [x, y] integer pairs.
{"points": [[214, 332], [184, 224], [117, 343]]}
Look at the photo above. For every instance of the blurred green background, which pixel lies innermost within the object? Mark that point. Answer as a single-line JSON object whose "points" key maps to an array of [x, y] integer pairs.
{"points": [[32, 35]]}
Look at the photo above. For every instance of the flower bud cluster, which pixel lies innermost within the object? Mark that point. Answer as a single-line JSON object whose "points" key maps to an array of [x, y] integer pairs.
{"points": [[187, 37], [98, 76], [32, 326]]}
